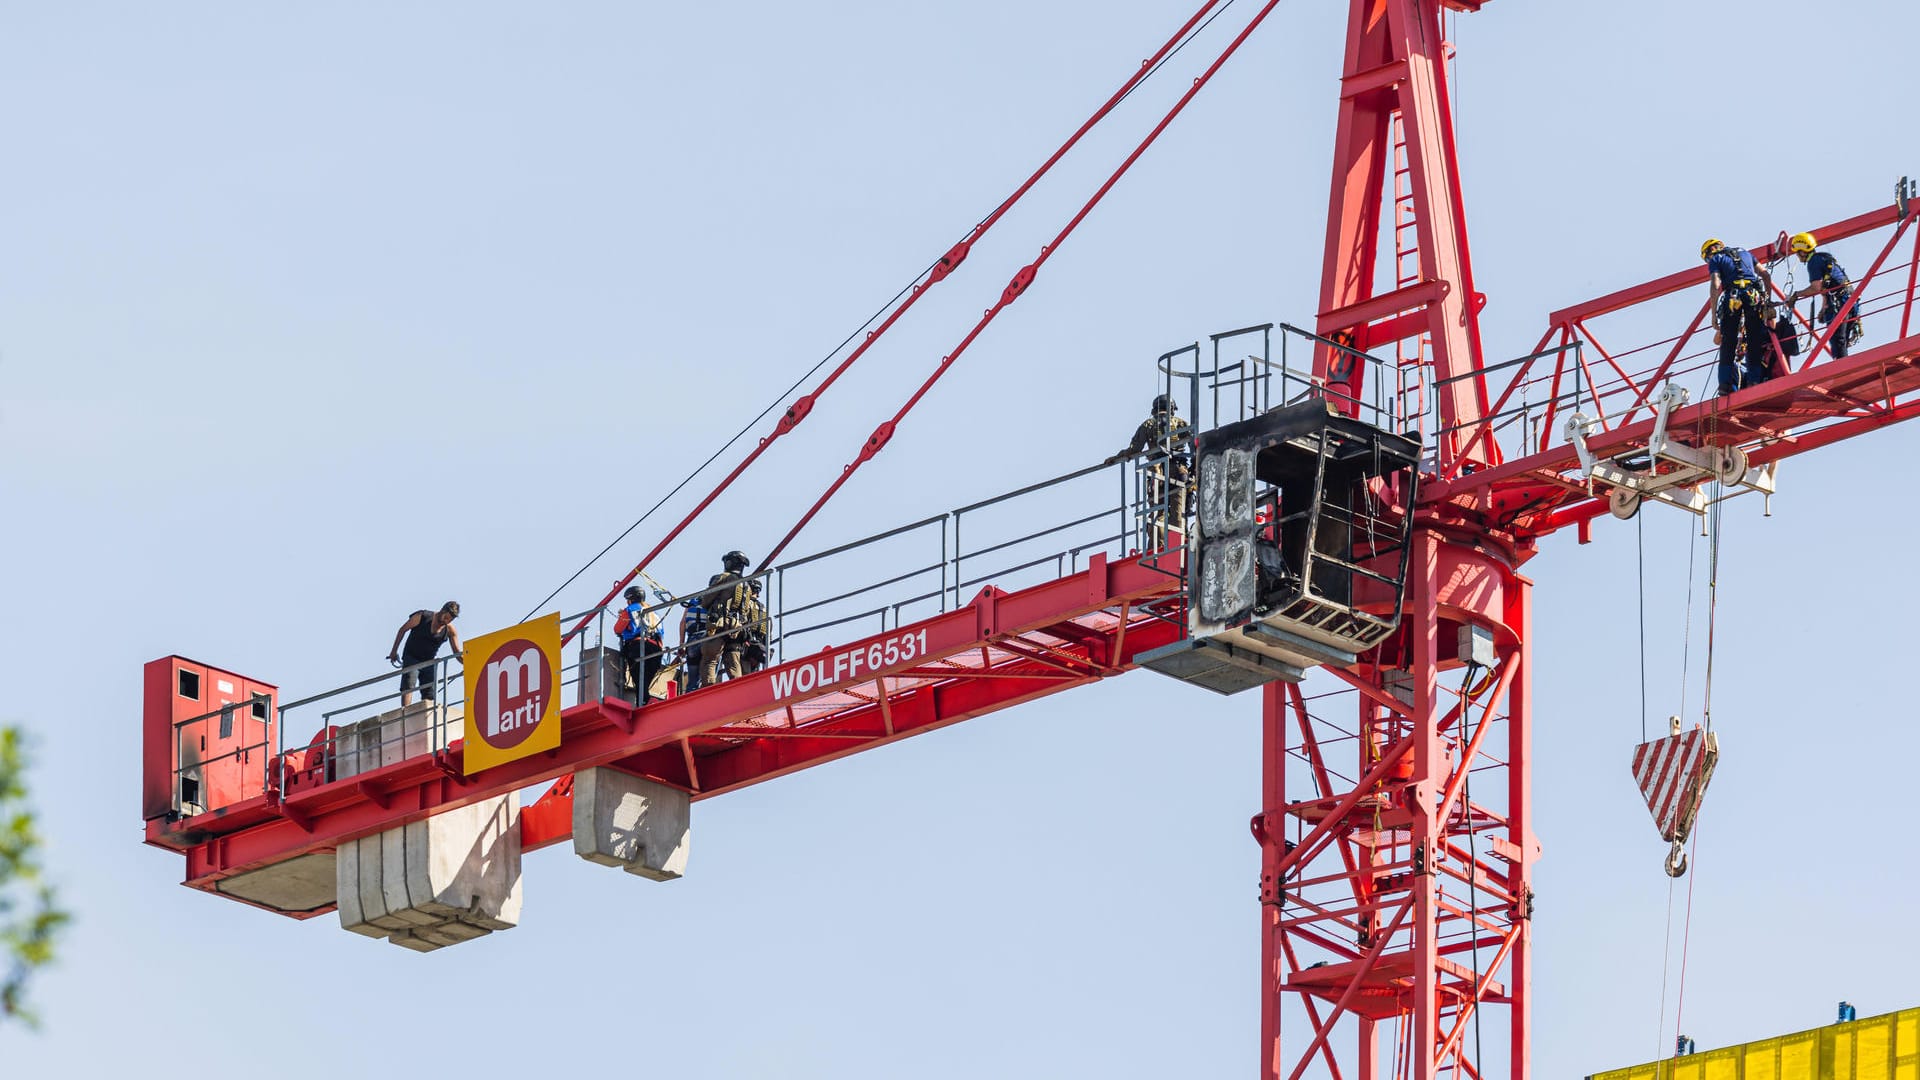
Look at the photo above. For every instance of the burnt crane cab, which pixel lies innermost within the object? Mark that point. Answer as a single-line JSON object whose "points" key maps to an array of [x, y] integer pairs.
{"points": [[1299, 547]]}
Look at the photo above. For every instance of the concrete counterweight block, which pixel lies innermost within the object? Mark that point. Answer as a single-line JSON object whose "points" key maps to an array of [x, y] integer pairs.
{"points": [[451, 878], [622, 820], [413, 731]]}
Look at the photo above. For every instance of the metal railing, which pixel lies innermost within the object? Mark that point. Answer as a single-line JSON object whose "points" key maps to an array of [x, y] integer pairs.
{"points": [[1220, 384], [1617, 387], [875, 584]]}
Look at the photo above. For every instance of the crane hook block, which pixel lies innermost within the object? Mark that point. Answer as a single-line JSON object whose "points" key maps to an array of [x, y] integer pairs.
{"points": [[1672, 773], [1677, 859]]}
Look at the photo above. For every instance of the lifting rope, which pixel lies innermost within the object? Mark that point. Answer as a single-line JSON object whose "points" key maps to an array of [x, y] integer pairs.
{"points": [[1713, 593], [922, 282], [1715, 526], [1640, 541], [1686, 932], [1017, 286]]}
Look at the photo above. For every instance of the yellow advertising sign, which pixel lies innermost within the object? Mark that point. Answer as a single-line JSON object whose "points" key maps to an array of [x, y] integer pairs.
{"points": [[513, 693]]}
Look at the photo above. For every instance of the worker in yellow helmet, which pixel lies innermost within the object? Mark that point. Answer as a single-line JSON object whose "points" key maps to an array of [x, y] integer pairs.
{"points": [[1737, 291], [1826, 280]]}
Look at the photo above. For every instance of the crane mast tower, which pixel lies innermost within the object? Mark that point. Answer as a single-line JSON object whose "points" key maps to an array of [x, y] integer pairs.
{"points": [[1398, 494], [1392, 903]]}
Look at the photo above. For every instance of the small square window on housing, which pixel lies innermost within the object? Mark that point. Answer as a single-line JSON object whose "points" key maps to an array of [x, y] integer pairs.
{"points": [[190, 684]]}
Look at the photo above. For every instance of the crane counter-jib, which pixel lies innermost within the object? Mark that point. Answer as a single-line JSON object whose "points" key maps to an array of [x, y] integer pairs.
{"points": [[999, 650]]}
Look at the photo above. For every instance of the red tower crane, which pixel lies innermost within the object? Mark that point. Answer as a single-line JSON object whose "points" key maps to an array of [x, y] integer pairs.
{"points": [[1396, 840]]}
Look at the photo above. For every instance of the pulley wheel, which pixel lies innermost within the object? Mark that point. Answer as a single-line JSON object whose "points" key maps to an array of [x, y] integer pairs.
{"points": [[1733, 464], [1623, 503]]}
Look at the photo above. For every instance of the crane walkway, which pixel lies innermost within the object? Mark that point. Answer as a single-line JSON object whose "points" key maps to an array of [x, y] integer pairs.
{"points": [[1094, 604], [1534, 486]]}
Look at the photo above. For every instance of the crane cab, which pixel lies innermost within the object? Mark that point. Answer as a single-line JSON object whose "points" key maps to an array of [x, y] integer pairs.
{"points": [[1300, 547]]}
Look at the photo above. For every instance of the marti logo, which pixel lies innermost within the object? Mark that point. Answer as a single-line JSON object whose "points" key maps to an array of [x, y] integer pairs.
{"points": [[513, 691]]}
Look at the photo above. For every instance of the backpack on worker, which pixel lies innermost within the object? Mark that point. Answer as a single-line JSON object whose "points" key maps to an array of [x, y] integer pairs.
{"points": [[1786, 334], [727, 613]]}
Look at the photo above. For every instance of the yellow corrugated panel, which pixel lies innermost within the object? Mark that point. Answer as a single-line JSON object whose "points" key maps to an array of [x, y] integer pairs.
{"points": [[1876, 1048], [1906, 1045], [1865, 1052], [1799, 1055]]}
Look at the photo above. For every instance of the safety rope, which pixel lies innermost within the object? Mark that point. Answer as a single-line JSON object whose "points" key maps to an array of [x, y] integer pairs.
{"points": [[1018, 285], [918, 287], [715, 456]]}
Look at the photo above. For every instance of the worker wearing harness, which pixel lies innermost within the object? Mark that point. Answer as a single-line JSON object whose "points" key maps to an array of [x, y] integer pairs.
{"points": [[640, 644], [1164, 436], [1738, 290], [1826, 280], [729, 609]]}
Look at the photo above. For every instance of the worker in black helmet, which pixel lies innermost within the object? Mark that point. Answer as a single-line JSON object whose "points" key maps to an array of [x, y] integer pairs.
{"points": [[1167, 443], [425, 632], [729, 604], [640, 642]]}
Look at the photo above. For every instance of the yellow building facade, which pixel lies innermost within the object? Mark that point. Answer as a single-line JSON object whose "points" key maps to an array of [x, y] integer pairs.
{"points": [[1876, 1048]]}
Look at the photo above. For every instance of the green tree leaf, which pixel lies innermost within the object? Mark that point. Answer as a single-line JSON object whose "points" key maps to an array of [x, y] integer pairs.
{"points": [[31, 919]]}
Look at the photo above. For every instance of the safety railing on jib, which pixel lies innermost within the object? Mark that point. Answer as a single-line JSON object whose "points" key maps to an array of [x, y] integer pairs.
{"points": [[1577, 368], [877, 583], [1128, 505]]}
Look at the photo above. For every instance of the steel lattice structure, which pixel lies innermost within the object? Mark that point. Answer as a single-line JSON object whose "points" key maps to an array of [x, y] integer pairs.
{"points": [[1394, 827], [1396, 890]]}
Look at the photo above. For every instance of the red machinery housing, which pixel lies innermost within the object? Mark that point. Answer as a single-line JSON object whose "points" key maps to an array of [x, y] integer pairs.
{"points": [[207, 737]]}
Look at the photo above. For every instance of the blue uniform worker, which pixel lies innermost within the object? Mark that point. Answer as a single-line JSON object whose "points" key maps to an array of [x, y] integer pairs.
{"points": [[640, 643], [1739, 288], [1828, 281]]}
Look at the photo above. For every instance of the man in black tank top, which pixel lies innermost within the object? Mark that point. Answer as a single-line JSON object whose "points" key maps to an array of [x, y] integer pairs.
{"points": [[425, 632]]}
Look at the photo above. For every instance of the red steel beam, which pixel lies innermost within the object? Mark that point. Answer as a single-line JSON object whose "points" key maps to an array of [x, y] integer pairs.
{"points": [[1758, 405], [259, 833], [1697, 276]]}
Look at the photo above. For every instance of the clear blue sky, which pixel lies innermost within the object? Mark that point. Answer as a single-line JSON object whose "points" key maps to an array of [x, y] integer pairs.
{"points": [[286, 291]]}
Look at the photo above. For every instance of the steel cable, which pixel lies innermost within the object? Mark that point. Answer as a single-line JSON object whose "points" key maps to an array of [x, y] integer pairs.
{"points": [[917, 287], [1016, 287]]}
